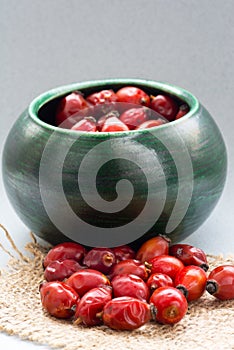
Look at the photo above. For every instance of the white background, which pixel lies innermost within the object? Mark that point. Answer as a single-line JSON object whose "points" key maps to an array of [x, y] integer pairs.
{"points": [[45, 44]]}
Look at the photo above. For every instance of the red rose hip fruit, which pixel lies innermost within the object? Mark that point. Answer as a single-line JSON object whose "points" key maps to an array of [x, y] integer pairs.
{"points": [[59, 270], [166, 264], [130, 267], [58, 299], [220, 282], [151, 123], [101, 97], [126, 313], [134, 95], [101, 259], [183, 110], [133, 117], [123, 252], [158, 245], [165, 106], [114, 124], [191, 281], [131, 286], [189, 255], [85, 124], [169, 305], [157, 280]]}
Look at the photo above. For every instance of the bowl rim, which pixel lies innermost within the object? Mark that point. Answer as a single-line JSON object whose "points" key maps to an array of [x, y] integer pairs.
{"points": [[51, 94]]}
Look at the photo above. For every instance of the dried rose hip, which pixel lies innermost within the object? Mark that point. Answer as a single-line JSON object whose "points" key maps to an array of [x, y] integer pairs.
{"points": [[130, 266], [191, 281], [91, 305], [157, 280], [85, 124], [70, 105], [63, 251], [165, 106], [183, 109], [158, 245], [104, 96], [126, 313], [58, 299], [101, 259], [113, 124], [151, 123], [84, 280], [170, 305], [59, 270], [131, 286], [133, 117], [132, 94], [123, 252], [220, 282], [103, 118], [189, 255], [169, 265]]}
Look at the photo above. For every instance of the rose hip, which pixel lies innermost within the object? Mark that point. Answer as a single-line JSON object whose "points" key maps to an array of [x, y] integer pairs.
{"points": [[170, 305], [113, 124], [70, 105], [85, 124], [123, 252], [132, 94], [126, 313], [157, 280], [103, 118], [91, 305], [191, 281], [131, 286], [133, 117], [189, 255], [84, 280], [183, 109], [220, 282], [101, 259], [166, 264], [58, 299], [63, 251], [59, 270], [158, 245], [130, 266], [165, 106], [101, 97], [151, 124]]}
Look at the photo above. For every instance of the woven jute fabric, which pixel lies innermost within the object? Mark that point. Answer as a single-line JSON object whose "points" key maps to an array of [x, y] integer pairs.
{"points": [[208, 324]]}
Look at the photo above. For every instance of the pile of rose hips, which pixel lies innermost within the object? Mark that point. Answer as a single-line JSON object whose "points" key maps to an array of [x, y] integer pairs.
{"points": [[124, 289], [128, 108]]}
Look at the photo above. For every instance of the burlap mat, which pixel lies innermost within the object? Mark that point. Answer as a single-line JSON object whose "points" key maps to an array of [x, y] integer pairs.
{"points": [[209, 323]]}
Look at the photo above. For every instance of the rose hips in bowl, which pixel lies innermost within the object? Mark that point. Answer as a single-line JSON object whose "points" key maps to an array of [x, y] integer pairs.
{"points": [[134, 117], [151, 124], [131, 286], [114, 124], [104, 96], [84, 280], [183, 110], [58, 299], [189, 255], [165, 106], [157, 280], [91, 305], [60, 270], [191, 281], [166, 264], [170, 305], [132, 94], [220, 282], [101, 259], [63, 251], [126, 313], [130, 266], [158, 245], [85, 124]]}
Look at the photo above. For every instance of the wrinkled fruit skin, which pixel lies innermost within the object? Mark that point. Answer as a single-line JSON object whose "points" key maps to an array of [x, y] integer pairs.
{"points": [[69, 105], [170, 305], [85, 124], [151, 124], [101, 97], [134, 95], [189, 255], [166, 264], [123, 252], [165, 106], [220, 282], [134, 117], [101, 259], [155, 246], [126, 313], [91, 304], [84, 280], [183, 110], [58, 299], [131, 286], [59, 270], [63, 251], [130, 266], [114, 124], [157, 280], [192, 281]]}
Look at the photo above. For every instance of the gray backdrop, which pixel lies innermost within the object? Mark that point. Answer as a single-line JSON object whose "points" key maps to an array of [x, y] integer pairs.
{"points": [[189, 43]]}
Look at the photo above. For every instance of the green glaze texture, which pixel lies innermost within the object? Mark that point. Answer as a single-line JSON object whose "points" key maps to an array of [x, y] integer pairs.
{"points": [[183, 163]]}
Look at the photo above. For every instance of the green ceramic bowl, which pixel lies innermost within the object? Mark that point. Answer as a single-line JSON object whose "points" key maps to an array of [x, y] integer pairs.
{"points": [[107, 189]]}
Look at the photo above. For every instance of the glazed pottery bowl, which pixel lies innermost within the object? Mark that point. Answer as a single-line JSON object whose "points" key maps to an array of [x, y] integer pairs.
{"points": [[108, 189]]}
